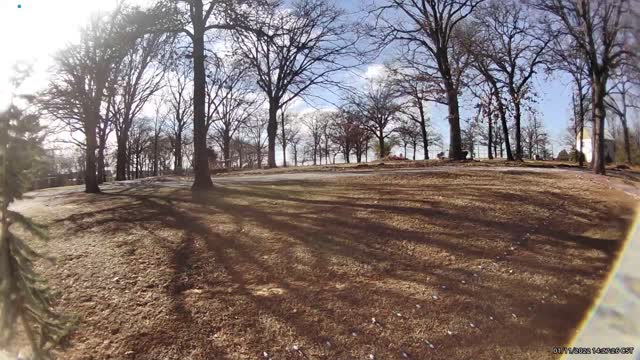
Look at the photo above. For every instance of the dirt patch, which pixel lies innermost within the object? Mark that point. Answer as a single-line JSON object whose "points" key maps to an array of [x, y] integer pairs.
{"points": [[482, 265]]}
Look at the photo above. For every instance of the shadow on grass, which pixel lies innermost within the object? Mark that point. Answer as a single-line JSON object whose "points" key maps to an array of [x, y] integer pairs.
{"points": [[295, 262]]}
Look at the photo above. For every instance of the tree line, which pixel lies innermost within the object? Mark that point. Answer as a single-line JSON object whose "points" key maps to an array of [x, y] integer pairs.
{"points": [[209, 82]]}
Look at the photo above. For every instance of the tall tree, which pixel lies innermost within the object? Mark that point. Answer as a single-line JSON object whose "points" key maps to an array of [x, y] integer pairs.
{"points": [[316, 124], [379, 109], [255, 132], [570, 61], [231, 103], [299, 48], [418, 90], [180, 101], [409, 133], [620, 100], [597, 28], [159, 123], [430, 27], [76, 91], [516, 48], [194, 19], [139, 77]]}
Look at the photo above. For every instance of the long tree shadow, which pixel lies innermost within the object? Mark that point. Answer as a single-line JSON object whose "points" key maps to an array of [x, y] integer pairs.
{"points": [[269, 265]]}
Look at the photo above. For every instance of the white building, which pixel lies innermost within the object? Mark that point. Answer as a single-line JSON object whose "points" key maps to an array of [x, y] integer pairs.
{"points": [[587, 145]]}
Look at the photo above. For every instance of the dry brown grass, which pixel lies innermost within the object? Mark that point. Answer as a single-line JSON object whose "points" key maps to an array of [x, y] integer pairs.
{"points": [[155, 273]]}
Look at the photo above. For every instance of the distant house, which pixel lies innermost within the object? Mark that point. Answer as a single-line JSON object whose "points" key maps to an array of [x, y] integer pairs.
{"points": [[587, 145]]}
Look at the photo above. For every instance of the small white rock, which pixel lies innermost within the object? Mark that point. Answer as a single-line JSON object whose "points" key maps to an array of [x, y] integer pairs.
{"points": [[449, 332], [265, 354], [472, 325], [490, 317], [435, 297], [354, 334], [371, 356]]}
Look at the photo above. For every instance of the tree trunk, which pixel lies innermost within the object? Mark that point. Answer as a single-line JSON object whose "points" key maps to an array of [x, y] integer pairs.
{"points": [[503, 119], [366, 151], [155, 155], [599, 112], [581, 154], [295, 156], [627, 143], [423, 129], [177, 167], [517, 117], [490, 140], [202, 178], [121, 156], [101, 170], [284, 141], [455, 139], [90, 179], [226, 151], [625, 127], [381, 144], [272, 131]]}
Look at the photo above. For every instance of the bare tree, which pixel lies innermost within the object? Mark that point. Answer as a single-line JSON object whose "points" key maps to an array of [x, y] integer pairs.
{"points": [[620, 100], [316, 124], [409, 133], [570, 61], [287, 126], [378, 108], [418, 90], [303, 47], [180, 99], [477, 47], [429, 28], [516, 48], [104, 129], [77, 89], [194, 18], [536, 138], [139, 77], [158, 127], [598, 29], [256, 133], [342, 129], [294, 137], [232, 103]]}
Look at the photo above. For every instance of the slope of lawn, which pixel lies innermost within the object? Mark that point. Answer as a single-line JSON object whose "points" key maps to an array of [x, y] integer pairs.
{"points": [[482, 265]]}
